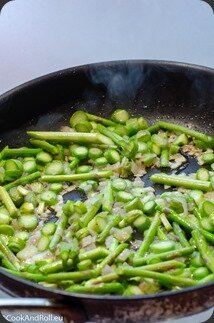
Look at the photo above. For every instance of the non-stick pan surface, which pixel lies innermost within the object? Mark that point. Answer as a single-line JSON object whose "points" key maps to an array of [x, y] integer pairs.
{"points": [[171, 91]]}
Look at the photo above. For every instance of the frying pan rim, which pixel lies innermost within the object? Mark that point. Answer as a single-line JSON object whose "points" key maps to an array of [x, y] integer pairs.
{"points": [[154, 62], [84, 67]]}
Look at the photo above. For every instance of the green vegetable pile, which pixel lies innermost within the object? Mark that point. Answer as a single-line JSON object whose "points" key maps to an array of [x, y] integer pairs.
{"points": [[121, 237]]}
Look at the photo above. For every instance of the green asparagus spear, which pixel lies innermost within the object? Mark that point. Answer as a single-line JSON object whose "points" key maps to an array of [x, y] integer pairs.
{"points": [[138, 261], [164, 279], [75, 177], [20, 152], [190, 132], [111, 257], [7, 201], [103, 288], [45, 146], [9, 254], [205, 251], [181, 181], [181, 235], [23, 180], [144, 247]]}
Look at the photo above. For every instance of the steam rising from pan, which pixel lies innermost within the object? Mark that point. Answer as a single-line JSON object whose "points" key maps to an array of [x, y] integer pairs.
{"points": [[122, 84]]}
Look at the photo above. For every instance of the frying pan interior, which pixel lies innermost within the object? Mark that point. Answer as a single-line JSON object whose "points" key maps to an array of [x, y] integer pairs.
{"points": [[156, 90]]}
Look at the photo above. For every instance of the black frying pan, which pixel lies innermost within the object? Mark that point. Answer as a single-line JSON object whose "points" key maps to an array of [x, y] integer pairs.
{"points": [[157, 90]]}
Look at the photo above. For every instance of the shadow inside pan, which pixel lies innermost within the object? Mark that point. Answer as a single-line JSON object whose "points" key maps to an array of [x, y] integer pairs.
{"points": [[75, 195]]}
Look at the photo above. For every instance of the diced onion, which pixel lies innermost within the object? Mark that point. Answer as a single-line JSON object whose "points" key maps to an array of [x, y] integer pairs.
{"points": [[67, 129], [109, 241], [137, 169], [122, 234], [40, 256], [209, 196], [107, 270], [124, 255], [86, 241], [28, 252]]}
